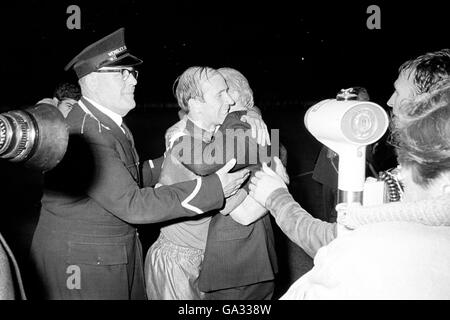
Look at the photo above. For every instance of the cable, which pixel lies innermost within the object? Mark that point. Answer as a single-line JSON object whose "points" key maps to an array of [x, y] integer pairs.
{"points": [[395, 188]]}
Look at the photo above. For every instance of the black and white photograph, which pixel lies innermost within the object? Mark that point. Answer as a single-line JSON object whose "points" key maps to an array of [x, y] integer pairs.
{"points": [[235, 152]]}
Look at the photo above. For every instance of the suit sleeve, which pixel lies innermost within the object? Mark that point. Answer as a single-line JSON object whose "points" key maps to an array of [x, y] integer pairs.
{"points": [[232, 140], [117, 191], [151, 170], [93, 166]]}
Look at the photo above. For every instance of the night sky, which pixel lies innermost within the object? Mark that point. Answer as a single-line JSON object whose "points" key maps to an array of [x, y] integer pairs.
{"points": [[290, 53]]}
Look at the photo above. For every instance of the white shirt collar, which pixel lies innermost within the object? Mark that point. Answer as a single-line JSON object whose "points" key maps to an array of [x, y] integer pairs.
{"points": [[114, 116], [200, 126]]}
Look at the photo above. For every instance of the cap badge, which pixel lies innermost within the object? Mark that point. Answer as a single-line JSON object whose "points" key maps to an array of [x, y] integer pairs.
{"points": [[113, 54]]}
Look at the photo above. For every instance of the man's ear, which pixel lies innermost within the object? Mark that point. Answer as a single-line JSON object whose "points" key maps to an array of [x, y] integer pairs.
{"points": [[193, 104]]}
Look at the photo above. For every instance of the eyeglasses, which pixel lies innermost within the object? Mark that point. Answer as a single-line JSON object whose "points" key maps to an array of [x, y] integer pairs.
{"points": [[125, 72]]}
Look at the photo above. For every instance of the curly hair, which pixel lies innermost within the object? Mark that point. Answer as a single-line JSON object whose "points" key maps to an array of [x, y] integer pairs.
{"points": [[427, 69], [237, 81], [353, 93], [187, 85], [67, 91], [422, 135]]}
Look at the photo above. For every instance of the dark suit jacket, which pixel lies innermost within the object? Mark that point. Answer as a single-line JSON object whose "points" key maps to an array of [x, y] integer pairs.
{"points": [[90, 203], [238, 255]]}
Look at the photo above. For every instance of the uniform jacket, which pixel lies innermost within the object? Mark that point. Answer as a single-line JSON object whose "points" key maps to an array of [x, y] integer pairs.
{"points": [[91, 201]]}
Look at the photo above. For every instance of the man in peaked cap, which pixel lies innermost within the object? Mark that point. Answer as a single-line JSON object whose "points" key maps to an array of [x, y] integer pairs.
{"points": [[86, 245], [107, 52]]}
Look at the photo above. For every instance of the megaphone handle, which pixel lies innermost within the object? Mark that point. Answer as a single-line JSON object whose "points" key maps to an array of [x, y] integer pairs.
{"points": [[349, 196]]}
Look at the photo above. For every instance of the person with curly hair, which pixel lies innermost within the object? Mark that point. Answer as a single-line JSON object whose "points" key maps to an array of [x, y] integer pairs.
{"points": [[397, 250]]}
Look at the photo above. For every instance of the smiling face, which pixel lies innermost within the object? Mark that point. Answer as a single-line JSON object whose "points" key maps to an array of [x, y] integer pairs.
{"points": [[216, 100], [405, 90], [114, 92]]}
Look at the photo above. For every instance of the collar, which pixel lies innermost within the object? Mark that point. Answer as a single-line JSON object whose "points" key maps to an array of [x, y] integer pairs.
{"points": [[197, 131], [431, 212], [114, 116], [197, 124]]}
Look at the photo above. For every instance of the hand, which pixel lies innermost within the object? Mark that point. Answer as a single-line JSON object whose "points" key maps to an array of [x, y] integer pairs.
{"points": [[344, 216], [231, 181], [234, 201], [281, 170], [259, 128], [345, 223], [264, 183], [248, 212], [52, 101], [341, 209]]}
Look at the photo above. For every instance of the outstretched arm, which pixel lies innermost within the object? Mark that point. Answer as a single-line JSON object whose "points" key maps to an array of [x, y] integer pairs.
{"points": [[269, 189], [298, 225]]}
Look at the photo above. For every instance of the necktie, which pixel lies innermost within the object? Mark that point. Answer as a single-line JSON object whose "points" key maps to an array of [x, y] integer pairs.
{"points": [[133, 151], [127, 133]]}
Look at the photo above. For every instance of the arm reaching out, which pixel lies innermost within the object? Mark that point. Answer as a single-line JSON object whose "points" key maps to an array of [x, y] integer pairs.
{"points": [[307, 232]]}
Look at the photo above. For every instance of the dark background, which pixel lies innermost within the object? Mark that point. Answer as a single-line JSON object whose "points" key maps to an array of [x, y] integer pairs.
{"points": [[293, 54], [288, 50]]}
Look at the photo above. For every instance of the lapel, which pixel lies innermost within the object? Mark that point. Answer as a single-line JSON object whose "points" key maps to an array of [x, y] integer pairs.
{"points": [[108, 124], [130, 140]]}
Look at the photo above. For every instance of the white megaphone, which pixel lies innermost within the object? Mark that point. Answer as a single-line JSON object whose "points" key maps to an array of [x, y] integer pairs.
{"points": [[347, 127]]}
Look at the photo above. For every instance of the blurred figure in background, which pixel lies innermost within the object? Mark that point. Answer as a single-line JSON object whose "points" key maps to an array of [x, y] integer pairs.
{"points": [[327, 164], [65, 96]]}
